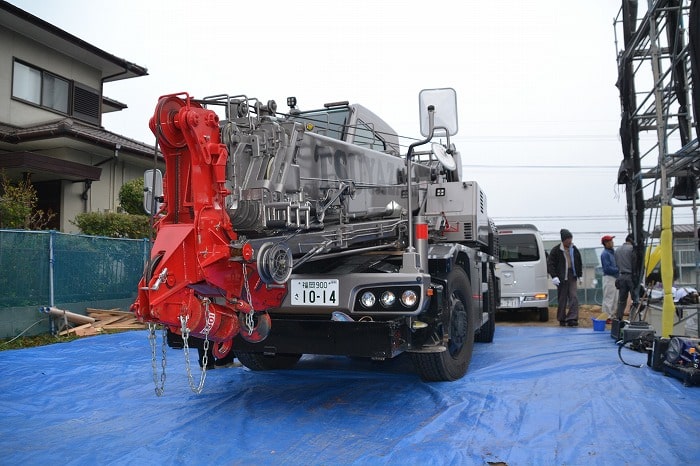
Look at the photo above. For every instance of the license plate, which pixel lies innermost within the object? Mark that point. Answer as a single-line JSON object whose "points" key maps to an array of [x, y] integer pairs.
{"points": [[509, 302], [315, 292]]}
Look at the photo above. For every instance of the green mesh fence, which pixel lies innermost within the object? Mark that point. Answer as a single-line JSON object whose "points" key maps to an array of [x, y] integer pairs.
{"points": [[24, 268], [36, 264]]}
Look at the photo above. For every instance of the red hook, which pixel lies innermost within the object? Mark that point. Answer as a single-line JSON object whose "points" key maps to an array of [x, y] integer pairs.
{"points": [[261, 329], [222, 349]]}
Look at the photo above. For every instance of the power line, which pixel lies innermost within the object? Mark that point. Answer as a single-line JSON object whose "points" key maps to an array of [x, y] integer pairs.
{"points": [[559, 217], [549, 218], [543, 138], [555, 167]]}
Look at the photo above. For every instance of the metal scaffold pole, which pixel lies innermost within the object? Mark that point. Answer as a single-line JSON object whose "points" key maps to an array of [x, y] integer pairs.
{"points": [[659, 87]]}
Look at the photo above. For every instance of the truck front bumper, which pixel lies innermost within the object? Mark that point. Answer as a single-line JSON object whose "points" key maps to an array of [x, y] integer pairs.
{"points": [[311, 335]]}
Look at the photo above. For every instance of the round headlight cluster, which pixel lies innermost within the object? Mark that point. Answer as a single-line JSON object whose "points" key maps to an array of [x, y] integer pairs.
{"points": [[394, 299]]}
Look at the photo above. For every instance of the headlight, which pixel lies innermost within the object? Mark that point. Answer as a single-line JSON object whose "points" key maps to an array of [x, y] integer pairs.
{"points": [[368, 299], [409, 298], [388, 299], [398, 299]]}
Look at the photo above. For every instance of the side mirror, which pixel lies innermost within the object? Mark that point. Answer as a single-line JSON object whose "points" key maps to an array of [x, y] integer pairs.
{"points": [[444, 101], [152, 191]]}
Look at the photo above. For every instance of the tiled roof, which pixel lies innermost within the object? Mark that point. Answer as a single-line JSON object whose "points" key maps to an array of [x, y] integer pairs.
{"points": [[68, 127], [112, 67], [682, 231]]}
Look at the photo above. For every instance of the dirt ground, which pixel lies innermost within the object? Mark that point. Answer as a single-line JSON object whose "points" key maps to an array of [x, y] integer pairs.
{"points": [[531, 319]]}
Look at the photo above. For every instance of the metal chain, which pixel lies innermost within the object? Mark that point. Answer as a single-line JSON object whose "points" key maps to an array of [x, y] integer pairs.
{"points": [[249, 321], [159, 387], [186, 349]]}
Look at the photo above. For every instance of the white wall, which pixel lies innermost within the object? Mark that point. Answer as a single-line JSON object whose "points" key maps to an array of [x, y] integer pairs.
{"points": [[40, 56]]}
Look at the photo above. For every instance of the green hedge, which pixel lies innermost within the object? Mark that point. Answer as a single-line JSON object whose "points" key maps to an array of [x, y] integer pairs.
{"points": [[113, 225]]}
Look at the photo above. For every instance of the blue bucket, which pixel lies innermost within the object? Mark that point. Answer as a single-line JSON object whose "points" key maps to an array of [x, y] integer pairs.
{"points": [[598, 325]]}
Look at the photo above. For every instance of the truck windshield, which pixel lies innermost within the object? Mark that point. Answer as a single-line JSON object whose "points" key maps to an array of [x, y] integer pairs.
{"points": [[519, 247], [329, 123]]}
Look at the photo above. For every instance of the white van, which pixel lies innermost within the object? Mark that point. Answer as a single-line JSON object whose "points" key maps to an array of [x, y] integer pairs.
{"points": [[522, 270]]}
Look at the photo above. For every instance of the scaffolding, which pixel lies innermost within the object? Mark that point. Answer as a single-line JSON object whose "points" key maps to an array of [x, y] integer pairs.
{"points": [[658, 44]]}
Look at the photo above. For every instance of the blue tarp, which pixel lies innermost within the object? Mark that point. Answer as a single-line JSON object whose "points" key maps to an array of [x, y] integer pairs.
{"points": [[536, 395]]}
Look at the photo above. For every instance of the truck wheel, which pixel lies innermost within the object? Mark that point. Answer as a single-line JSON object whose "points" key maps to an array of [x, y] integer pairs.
{"points": [[544, 314], [262, 362], [488, 330], [452, 364]]}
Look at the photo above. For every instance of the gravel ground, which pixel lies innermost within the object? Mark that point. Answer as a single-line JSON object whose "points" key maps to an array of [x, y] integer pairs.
{"points": [[585, 314]]}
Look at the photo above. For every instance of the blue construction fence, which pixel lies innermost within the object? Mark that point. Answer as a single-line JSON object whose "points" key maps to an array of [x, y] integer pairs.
{"points": [[76, 272], [592, 295], [68, 271]]}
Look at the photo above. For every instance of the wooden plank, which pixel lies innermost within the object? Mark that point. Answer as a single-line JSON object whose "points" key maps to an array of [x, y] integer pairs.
{"points": [[112, 317], [75, 329], [91, 309], [88, 331], [126, 326], [121, 324], [107, 321], [110, 312]]}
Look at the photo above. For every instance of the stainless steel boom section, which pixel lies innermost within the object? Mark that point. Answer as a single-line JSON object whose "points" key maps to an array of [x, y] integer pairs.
{"points": [[282, 177]]}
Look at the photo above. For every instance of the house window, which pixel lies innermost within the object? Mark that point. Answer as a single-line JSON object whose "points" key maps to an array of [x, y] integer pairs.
{"points": [[54, 92], [26, 83], [48, 90], [685, 257]]}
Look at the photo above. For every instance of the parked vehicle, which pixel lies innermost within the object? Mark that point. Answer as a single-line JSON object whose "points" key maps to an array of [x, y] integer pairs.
{"points": [[523, 270], [280, 235]]}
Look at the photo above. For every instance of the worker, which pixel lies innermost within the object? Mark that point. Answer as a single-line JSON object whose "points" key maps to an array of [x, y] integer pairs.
{"points": [[610, 275], [626, 260], [565, 266]]}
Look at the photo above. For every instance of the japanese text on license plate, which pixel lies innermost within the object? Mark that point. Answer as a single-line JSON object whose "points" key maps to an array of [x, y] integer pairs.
{"points": [[314, 292], [510, 302]]}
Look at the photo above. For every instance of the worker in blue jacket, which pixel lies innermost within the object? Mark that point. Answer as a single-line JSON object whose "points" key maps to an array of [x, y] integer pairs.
{"points": [[610, 273]]}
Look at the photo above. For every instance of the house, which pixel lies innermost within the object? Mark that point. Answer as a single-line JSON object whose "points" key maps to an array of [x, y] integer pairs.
{"points": [[685, 255], [51, 106]]}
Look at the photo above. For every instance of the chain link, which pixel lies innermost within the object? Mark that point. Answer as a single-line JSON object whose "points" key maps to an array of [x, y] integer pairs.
{"points": [[159, 387], [186, 349], [249, 321]]}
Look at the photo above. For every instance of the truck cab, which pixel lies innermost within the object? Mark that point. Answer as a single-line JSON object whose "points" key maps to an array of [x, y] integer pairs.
{"points": [[352, 123]]}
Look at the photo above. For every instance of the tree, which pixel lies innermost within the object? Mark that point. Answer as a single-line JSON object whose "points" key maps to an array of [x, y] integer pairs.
{"points": [[18, 202], [131, 197]]}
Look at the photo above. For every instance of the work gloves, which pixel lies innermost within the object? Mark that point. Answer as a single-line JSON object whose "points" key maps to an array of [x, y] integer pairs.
{"points": [[557, 282]]}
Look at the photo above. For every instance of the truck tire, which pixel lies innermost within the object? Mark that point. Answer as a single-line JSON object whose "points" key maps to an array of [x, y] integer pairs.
{"points": [[262, 362], [452, 364], [544, 314], [488, 330]]}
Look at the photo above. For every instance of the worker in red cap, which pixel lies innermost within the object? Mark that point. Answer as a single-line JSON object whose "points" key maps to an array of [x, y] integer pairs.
{"points": [[610, 274]]}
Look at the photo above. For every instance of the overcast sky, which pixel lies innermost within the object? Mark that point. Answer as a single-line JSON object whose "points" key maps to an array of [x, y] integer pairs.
{"points": [[535, 80]]}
